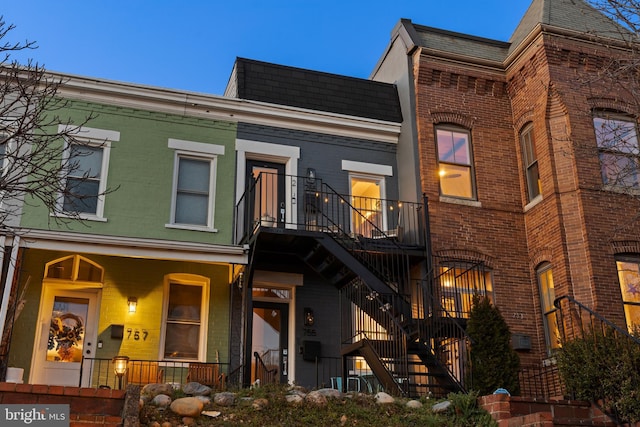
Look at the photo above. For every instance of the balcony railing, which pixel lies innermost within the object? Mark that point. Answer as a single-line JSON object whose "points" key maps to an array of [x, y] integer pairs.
{"points": [[295, 202], [99, 373]]}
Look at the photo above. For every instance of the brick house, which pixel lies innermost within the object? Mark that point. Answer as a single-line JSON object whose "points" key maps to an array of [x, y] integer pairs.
{"points": [[521, 164]]}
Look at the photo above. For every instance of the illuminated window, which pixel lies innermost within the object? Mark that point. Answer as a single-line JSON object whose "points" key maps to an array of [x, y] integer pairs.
{"points": [[459, 283], [547, 296], [454, 163], [629, 278]]}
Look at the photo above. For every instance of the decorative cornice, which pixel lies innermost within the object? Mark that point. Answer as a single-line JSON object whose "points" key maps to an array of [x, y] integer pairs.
{"points": [[214, 107]]}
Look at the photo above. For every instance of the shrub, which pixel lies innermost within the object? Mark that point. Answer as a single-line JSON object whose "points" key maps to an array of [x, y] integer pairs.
{"points": [[494, 363], [603, 366]]}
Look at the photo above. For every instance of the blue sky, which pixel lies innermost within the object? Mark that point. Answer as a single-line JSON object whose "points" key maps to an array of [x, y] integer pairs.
{"points": [[192, 44]]}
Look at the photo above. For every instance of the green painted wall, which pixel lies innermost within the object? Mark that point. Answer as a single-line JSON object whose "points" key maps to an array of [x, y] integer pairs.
{"points": [[141, 171], [125, 277]]}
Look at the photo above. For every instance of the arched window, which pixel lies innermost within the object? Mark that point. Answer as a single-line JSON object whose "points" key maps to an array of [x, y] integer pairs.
{"points": [[455, 165], [547, 296], [629, 278]]}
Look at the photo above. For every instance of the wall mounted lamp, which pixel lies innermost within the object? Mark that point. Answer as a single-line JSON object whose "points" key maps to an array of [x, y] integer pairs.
{"points": [[120, 364], [309, 318], [132, 303], [311, 175]]}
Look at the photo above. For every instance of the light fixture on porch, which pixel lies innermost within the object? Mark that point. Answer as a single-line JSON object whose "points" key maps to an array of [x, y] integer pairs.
{"points": [[120, 364], [309, 318], [311, 175], [132, 303]]}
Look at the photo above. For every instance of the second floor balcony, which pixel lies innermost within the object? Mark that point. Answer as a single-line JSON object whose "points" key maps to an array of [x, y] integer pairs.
{"points": [[300, 203]]}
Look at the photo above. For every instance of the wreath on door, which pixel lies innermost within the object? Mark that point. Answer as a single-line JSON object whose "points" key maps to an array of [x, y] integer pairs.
{"points": [[65, 333]]}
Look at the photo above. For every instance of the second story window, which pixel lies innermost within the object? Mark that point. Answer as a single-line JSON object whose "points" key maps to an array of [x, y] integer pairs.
{"points": [[617, 140], [194, 184], [530, 163], [83, 179], [87, 162], [455, 163]]}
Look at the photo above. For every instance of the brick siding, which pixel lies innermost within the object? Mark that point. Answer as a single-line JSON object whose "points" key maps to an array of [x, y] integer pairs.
{"points": [[87, 406]]}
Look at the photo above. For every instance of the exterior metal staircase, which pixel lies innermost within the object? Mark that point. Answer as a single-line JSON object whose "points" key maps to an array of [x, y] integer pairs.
{"points": [[395, 329]]}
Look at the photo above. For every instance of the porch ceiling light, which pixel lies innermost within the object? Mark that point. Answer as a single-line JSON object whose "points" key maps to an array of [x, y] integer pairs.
{"points": [[132, 303]]}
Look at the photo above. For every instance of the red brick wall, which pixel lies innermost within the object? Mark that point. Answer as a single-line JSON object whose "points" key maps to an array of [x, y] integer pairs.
{"points": [[87, 406], [576, 225]]}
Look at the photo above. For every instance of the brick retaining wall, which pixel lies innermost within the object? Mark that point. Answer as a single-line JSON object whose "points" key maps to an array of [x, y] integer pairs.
{"points": [[88, 406]]}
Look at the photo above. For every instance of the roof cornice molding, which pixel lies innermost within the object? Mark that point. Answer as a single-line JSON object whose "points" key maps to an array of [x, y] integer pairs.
{"points": [[133, 247], [213, 107], [545, 29]]}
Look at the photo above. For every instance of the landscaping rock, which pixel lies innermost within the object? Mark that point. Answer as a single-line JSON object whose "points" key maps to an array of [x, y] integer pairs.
{"points": [[316, 398], [196, 389], [204, 399], [152, 390], [294, 399], [383, 398], [414, 404], [187, 406], [260, 404], [224, 399], [161, 401], [330, 393], [441, 407]]}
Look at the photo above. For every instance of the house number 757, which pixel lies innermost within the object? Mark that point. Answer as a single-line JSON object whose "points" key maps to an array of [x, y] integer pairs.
{"points": [[136, 334]]}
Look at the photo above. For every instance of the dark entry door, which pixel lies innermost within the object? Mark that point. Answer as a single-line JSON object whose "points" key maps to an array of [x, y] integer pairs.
{"points": [[270, 335], [267, 184]]}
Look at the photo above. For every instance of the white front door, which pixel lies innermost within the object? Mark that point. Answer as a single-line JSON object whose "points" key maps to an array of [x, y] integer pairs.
{"points": [[67, 330]]}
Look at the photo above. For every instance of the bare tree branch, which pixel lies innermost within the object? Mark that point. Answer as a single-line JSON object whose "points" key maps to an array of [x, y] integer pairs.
{"points": [[35, 141]]}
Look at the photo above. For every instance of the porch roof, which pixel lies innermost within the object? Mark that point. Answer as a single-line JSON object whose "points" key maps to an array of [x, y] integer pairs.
{"points": [[131, 247]]}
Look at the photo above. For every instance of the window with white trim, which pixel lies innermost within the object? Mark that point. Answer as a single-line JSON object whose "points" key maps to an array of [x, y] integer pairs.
{"points": [[185, 314], [87, 161], [194, 184]]}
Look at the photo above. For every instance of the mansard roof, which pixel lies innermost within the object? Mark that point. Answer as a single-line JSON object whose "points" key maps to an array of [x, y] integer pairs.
{"points": [[565, 16], [314, 90], [573, 15]]}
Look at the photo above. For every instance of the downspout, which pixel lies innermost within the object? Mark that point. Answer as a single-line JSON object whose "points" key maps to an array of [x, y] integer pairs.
{"points": [[8, 275]]}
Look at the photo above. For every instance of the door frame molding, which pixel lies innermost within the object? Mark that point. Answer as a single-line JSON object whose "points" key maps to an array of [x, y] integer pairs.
{"points": [[275, 153], [49, 289]]}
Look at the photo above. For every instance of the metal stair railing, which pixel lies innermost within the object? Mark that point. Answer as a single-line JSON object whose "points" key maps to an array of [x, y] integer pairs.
{"points": [[263, 374], [380, 252], [442, 334], [575, 319], [373, 320]]}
